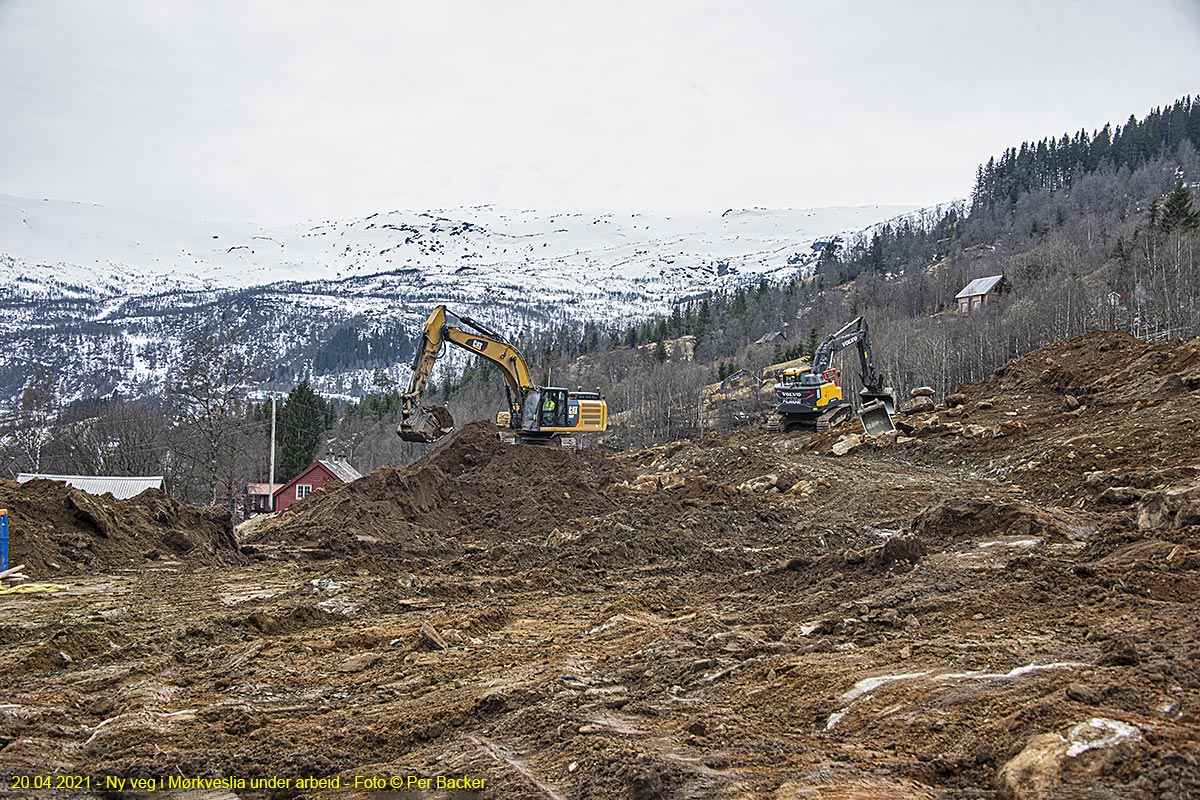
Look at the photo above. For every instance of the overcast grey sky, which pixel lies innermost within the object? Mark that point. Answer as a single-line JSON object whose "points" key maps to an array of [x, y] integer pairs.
{"points": [[282, 111]]}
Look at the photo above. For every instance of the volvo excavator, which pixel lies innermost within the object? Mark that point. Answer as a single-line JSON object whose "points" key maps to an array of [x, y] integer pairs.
{"points": [[545, 415], [812, 397]]}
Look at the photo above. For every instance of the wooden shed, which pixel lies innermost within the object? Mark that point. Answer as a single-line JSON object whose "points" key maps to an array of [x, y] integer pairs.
{"points": [[975, 295]]}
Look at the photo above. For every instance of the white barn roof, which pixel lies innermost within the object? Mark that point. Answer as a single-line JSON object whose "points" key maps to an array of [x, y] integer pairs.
{"points": [[120, 488], [979, 286], [344, 472]]}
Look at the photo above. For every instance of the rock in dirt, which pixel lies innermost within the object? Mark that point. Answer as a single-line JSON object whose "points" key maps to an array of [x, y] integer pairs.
{"points": [[1081, 693], [763, 483], [918, 405], [847, 443], [970, 431], [1071, 765], [1033, 773], [900, 548], [786, 480], [358, 663], [921, 391], [1119, 496], [1118, 653], [432, 638], [1177, 507], [955, 400]]}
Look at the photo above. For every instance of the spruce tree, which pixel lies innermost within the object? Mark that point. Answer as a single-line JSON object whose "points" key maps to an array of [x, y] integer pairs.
{"points": [[301, 423], [1177, 211]]}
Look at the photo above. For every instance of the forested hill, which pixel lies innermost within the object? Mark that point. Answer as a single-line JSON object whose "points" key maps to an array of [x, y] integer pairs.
{"points": [[1057, 163], [1091, 231]]}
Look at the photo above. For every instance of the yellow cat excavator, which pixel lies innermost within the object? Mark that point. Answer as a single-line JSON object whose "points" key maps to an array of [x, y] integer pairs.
{"points": [[545, 415]]}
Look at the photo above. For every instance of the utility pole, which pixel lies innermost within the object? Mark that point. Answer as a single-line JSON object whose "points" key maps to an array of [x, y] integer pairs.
{"points": [[271, 477]]}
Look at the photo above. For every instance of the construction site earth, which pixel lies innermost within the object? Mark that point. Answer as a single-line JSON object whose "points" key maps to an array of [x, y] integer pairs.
{"points": [[1000, 602]]}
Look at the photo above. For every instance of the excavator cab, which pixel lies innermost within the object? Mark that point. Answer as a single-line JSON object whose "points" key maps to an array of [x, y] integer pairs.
{"points": [[554, 408], [544, 408]]}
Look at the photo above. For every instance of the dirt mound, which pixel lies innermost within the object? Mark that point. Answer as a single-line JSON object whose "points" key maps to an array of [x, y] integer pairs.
{"points": [[472, 488], [1111, 367], [1096, 421], [57, 530]]}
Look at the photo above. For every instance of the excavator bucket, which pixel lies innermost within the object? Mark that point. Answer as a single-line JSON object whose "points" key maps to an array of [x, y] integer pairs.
{"points": [[876, 419], [427, 425], [877, 410]]}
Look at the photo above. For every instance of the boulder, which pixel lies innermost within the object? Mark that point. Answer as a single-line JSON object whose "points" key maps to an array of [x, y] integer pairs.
{"points": [[1033, 772], [921, 391], [1071, 765], [918, 405], [1177, 507], [847, 443], [786, 480], [956, 399], [977, 432]]}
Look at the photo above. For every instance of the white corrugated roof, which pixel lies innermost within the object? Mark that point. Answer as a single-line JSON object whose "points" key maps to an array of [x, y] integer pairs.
{"points": [[121, 488], [344, 472], [979, 286]]}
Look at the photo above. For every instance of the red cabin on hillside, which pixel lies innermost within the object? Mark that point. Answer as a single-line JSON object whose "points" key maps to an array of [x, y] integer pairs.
{"points": [[321, 473]]}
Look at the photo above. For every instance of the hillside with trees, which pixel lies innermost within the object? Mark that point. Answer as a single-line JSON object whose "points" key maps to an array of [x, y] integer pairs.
{"points": [[1092, 231]]}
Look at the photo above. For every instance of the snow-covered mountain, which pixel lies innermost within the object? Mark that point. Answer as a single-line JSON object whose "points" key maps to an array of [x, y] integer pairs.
{"points": [[104, 297]]}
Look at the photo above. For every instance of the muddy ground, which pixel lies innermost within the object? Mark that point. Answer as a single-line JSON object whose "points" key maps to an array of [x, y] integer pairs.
{"points": [[999, 603]]}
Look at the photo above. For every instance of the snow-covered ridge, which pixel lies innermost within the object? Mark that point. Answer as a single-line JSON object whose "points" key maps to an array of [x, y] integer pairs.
{"points": [[121, 253], [103, 298]]}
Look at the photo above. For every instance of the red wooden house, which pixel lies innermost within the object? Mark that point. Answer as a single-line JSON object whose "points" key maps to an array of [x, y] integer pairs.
{"points": [[321, 473]]}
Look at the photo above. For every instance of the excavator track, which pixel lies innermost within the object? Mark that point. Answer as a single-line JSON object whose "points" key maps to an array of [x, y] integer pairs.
{"points": [[833, 418]]}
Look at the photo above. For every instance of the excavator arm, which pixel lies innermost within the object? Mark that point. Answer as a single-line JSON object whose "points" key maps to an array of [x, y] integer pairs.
{"points": [[430, 423], [854, 332], [878, 401]]}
